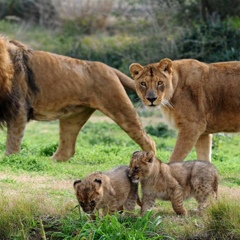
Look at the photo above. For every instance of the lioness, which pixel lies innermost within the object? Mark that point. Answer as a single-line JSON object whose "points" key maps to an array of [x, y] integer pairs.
{"points": [[110, 191], [198, 98], [174, 181], [44, 86]]}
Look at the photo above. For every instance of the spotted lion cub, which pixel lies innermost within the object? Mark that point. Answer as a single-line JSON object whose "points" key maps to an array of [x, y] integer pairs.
{"points": [[174, 181], [110, 191]]}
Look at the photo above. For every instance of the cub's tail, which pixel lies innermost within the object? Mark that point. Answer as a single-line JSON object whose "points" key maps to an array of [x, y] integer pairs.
{"points": [[126, 81]]}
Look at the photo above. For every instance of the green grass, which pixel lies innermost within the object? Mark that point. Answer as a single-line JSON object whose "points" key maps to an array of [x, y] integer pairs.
{"points": [[37, 197]]}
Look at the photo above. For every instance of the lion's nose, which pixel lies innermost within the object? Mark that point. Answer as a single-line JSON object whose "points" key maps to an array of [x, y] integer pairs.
{"points": [[151, 96], [151, 99]]}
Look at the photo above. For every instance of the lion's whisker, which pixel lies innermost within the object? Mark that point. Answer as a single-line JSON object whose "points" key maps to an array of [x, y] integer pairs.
{"points": [[166, 103]]}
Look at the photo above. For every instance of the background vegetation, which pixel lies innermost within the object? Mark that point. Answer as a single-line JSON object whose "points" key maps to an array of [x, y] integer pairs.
{"points": [[37, 199], [121, 32]]}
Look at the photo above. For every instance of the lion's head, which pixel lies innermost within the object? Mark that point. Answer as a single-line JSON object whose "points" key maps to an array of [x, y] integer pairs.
{"points": [[141, 165], [89, 193], [154, 82]]}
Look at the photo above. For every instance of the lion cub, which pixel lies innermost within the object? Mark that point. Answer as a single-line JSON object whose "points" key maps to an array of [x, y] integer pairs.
{"points": [[174, 181], [110, 191]]}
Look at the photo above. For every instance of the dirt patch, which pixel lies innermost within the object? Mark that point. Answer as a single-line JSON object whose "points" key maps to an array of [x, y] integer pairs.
{"points": [[37, 183], [146, 121]]}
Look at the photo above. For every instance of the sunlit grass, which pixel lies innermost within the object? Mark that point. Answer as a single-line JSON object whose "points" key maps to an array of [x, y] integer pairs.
{"points": [[41, 190]]}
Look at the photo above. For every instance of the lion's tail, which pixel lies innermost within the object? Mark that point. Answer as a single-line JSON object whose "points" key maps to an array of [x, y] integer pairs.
{"points": [[125, 80]]}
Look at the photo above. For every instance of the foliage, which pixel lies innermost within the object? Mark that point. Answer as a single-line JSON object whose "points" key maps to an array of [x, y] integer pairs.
{"points": [[110, 227], [38, 11], [161, 130], [214, 41], [222, 220], [17, 216], [45, 207]]}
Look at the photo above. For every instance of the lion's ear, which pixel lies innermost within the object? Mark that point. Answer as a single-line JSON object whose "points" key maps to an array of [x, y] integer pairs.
{"points": [[75, 184], [150, 156], [98, 185], [137, 151], [165, 65], [97, 180], [135, 69]]}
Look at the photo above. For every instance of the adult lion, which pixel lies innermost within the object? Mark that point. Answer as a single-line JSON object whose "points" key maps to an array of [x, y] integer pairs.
{"points": [[43, 86], [198, 98]]}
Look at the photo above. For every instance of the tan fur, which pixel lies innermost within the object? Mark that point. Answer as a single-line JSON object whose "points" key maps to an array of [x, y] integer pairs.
{"points": [[110, 191], [199, 98], [174, 181], [44, 86]]}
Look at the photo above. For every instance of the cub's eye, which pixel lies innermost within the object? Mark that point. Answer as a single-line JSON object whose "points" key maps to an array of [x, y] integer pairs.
{"points": [[160, 83], [81, 204], [143, 84], [92, 203], [136, 169]]}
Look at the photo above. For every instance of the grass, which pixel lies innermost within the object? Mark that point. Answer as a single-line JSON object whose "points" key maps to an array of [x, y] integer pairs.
{"points": [[37, 197]]}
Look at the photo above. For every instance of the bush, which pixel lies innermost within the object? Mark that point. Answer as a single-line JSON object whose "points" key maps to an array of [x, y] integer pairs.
{"points": [[214, 41], [161, 130], [38, 11]]}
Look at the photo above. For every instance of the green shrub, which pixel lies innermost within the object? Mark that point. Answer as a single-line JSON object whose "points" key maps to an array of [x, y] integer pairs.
{"points": [[214, 41], [160, 130], [38, 11], [49, 150], [28, 162]]}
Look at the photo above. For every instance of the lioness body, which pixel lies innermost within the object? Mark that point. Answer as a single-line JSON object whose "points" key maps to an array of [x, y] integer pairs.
{"points": [[110, 191], [43, 86], [197, 98], [174, 181]]}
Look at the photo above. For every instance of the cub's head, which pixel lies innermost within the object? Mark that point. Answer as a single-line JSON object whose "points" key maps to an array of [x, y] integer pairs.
{"points": [[141, 165], [89, 193], [154, 82]]}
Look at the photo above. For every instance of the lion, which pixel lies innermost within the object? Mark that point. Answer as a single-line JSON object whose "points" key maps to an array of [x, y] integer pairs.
{"points": [[197, 98], [176, 181], [110, 191], [42, 86]]}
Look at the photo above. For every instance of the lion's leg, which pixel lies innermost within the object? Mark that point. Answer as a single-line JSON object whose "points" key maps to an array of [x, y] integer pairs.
{"points": [[177, 202], [69, 129], [125, 115], [15, 133], [148, 202], [187, 138], [204, 147]]}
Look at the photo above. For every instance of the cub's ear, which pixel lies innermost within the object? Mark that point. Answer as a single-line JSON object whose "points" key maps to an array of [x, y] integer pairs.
{"points": [[150, 156], [136, 69], [98, 186], [97, 180], [135, 152], [165, 65], [76, 182]]}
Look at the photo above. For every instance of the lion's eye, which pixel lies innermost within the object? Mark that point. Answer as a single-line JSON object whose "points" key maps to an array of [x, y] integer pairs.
{"points": [[81, 204], [160, 83], [92, 203], [143, 84], [136, 169]]}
